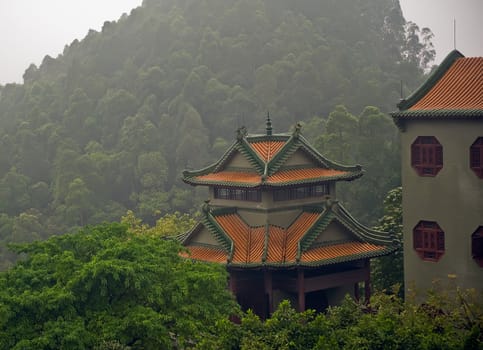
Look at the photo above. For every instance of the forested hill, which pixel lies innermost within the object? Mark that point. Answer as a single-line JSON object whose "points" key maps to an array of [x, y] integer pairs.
{"points": [[109, 124]]}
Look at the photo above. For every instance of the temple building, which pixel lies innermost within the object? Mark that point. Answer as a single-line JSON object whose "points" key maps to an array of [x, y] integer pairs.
{"points": [[273, 219], [441, 127]]}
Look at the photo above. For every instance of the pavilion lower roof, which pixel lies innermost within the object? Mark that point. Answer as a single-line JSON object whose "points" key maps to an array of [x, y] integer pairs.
{"points": [[320, 256], [276, 246]]}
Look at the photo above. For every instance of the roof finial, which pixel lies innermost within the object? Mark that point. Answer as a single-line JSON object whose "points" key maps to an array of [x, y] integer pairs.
{"points": [[269, 124], [454, 33]]}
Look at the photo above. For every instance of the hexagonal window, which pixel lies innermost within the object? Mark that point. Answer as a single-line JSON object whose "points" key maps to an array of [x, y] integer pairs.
{"points": [[477, 246], [476, 157], [427, 155], [428, 240]]}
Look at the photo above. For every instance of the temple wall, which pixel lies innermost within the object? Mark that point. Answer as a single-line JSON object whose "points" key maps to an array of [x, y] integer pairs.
{"points": [[298, 158], [204, 236], [334, 232], [239, 160], [453, 199], [279, 218]]}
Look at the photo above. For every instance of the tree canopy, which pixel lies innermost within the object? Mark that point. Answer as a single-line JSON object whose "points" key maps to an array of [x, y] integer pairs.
{"points": [[451, 319], [106, 285]]}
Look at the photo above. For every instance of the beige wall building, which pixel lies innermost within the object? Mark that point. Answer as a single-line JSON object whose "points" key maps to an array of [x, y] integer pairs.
{"points": [[442, 176]]}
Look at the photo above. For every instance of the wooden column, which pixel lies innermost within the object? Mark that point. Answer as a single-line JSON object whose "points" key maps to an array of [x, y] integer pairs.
{"points": [[367, 282], [301, 290], [232, 283], [232, 287], [267, 276], [356, 291]]}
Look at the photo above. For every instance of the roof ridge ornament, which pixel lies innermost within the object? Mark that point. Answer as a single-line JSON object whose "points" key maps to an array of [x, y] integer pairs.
{"points": [[241, 132], [206, 206], [297, 130], [269, 124]]}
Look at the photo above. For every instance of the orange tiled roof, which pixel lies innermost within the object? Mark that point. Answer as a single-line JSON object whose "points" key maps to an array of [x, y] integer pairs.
{"points": [[206, 254], [248, 242], [281, 245], [339, 250], [267, 156], [277, 178], [461, 87], [267, 149], [303, 174], [232, 176]]}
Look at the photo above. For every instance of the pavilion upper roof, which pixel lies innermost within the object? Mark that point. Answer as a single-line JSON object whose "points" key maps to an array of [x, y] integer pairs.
{"points": [[268, 164], [453, 90]]}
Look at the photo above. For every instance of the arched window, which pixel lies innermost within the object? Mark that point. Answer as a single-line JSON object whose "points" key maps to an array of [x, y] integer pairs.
{"points": [[427, 155], [476, 157], [428, 240], [477, 246]]}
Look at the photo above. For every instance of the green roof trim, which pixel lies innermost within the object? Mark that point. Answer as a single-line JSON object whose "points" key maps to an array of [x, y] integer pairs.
{"points": [[327, 162], [263, 185], [439, 113], [264, 169], [431, 81], [329, 213], [320, 225], [339, 213], [252, 157], [430, 114], [281, 157], [363, 232], [262, 137], [320, 263], [218, 233]]}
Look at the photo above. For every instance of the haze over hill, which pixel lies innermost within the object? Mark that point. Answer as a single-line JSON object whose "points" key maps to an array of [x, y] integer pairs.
{"points": [[45, 27], [109, 125]]}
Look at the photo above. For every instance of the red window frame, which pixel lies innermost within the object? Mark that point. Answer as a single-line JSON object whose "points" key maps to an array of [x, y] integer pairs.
{"points": [[476, 157], [427, 155], [428, 241], [477, 246]]}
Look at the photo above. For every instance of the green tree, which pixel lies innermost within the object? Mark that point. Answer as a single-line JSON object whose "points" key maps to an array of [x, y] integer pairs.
{"points": [[388, 271], [79, 202], [14, 192], [450, 319], [105, 285], [167, 226], [28, 227], [341, 129]]}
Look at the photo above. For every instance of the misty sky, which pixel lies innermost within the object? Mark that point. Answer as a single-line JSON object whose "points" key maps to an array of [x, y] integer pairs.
{"points": [[31, 29]]}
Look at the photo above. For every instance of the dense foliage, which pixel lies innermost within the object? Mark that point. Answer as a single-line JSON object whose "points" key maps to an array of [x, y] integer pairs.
{"points": [[108, 125], [388, 271], [111, 287], [370, 139], [451, 319], [106, 286]]}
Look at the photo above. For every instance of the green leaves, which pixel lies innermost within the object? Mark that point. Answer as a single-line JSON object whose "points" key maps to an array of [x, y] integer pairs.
{"points": [[105, 284], [387, 323]]}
